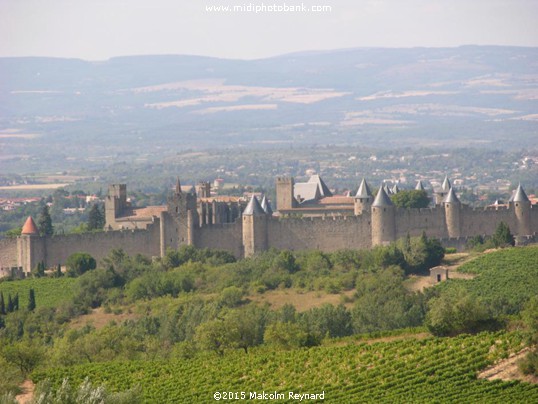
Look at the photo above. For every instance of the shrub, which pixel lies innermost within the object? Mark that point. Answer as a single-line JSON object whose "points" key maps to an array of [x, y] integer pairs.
{"points": [[78, 263]]}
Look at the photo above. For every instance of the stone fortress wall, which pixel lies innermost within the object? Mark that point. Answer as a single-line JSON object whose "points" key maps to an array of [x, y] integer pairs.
{"points": [[244, 229]]}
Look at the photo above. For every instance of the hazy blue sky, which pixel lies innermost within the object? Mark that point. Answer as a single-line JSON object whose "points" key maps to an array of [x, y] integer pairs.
{"points": [[99, 29]]}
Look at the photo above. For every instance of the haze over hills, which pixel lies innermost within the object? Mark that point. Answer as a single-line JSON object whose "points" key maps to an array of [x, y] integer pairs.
{"points": [[147, 106]]}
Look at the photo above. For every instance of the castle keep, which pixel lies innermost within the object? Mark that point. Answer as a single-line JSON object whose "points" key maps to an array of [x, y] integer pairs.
{"points": [[308, 216]]}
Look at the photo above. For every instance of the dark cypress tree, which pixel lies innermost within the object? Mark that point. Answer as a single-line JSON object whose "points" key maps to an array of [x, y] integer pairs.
{"points": [[503, 237], [9, 304], [2, 304], [44, 222], [16, 302], [31, 300], [96, 219], [58, 271]]}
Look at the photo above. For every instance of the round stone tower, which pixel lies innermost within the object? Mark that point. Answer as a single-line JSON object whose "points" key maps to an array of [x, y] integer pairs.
{"points": [[383, 219], [30, 246], [452, 207], [522, 210], [363, 198], [254, 228]]}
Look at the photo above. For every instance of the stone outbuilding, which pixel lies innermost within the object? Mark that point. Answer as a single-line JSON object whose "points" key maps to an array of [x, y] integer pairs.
{"points": [[439, 274]]}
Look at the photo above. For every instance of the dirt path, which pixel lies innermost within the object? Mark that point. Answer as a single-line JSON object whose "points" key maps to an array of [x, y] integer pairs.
{"points": [[507, 369], [26, 396]]}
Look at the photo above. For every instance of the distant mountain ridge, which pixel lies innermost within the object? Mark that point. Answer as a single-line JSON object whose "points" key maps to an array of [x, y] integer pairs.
{"points": [[485, 95]]}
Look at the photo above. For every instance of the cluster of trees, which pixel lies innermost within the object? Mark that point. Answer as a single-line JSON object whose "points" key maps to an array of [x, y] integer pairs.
{"points": [[502, 237], [411, 199], [13, 303]]}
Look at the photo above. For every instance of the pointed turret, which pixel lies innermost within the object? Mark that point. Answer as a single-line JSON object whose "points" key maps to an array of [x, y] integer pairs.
{"points": [[395, 189], [446, 184], [452, 213], [522, 209], [254, 228], [364, 190], [30, 227], [382, 199], [420, 186], [363, 198], [383, 219], [520, 195], [253, 208], [266, 206], [451, 197], [441, 193], [178, 186], [387, 189]]}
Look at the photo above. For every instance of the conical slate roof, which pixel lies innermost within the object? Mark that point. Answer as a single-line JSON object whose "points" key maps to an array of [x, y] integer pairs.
{"points": [[253, 208], [446, 184], [29, 227], [178, 186], [520, 195], [387, 189], [395, 189], [420, 186], [266, 206], [364, 190], [451, 197], [382, 199]]}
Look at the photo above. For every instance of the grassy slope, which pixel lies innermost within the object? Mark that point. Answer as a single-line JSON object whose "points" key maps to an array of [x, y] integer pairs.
{"points": [[49, 292]]}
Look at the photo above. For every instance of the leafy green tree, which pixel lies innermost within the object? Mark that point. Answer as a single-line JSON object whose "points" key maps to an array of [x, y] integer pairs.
{"points": [[96, 218], [411, 199], [25, 355], [78, 263], [31, 300], [245, 327], [326, 321], [231, 296], [90, 291], [420, 253], [285, 335], [285, 261], [383, 303], [456, 311], [502, 236], [13, 233], [44, 222], [212, 336]]}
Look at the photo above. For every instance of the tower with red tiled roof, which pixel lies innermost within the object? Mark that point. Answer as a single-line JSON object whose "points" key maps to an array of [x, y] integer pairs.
{"points": [[30, 246], [30, 227]]}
